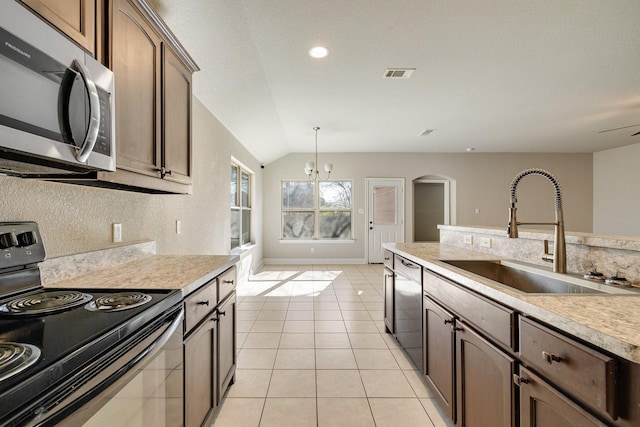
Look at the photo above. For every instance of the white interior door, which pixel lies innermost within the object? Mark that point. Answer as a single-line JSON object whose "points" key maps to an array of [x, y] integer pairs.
{"points": [[385, 200]]}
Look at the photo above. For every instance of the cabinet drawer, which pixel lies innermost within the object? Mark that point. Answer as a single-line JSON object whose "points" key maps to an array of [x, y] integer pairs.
{"points": [[199, 304], [408, 269], [491, 318], [387, 256], [582, 372], [226, 283]]}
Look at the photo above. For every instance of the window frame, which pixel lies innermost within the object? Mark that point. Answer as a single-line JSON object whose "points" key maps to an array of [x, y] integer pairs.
{"points": [[317, 211], [238, 206]]}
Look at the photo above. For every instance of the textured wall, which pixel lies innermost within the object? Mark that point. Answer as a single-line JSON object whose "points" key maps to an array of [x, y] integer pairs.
{"points": [[616, 194], [75, 219], [482, 182]]}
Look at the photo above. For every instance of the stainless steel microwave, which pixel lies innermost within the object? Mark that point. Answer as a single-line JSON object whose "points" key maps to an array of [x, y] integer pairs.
{"points": [[56, 101]]}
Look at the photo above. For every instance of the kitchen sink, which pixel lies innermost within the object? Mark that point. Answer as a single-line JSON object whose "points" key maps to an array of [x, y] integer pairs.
{"points": [[532, 280]]}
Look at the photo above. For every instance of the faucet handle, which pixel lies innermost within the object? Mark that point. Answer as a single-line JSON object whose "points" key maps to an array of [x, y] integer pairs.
{"points": [[548, 256]]}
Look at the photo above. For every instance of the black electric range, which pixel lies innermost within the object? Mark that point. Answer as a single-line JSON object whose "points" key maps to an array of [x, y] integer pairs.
{"points": [[54, 340]]}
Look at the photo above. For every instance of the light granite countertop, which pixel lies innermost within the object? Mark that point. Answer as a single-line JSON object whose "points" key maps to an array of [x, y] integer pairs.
{"points": [[184, 272], [611, 322]]}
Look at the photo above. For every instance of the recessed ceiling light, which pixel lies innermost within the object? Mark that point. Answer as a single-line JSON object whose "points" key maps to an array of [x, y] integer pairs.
{"points": [[470, 149], [318, 52]]}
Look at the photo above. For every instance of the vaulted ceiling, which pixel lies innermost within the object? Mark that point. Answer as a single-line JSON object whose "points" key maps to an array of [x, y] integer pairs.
{"points": [[492, 75]]}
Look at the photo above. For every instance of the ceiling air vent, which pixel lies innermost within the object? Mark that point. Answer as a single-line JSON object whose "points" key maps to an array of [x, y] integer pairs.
{"points": [[398, 73]]}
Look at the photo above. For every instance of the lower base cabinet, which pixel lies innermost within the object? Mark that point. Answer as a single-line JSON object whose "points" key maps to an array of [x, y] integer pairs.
{"points": [[543, 406], [484, 379], [209, 348], [200, 382], [439, 350], [226, 374]]}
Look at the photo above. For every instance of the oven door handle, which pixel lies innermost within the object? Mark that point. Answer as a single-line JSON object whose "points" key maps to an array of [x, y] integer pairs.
{"points": [[82, 150], [82, 393]]}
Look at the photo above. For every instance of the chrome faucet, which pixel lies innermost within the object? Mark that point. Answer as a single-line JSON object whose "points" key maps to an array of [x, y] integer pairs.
{"points": [[559, 245]]}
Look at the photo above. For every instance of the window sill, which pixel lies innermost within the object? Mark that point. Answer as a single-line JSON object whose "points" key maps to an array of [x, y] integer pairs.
{"points": [[316, 241]]}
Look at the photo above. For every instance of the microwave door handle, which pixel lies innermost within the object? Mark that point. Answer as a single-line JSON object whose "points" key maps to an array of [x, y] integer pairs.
{"points": [[84, 150], [82, 153]]}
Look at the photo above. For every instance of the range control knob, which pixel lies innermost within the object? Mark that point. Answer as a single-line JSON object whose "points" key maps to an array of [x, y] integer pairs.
{"points": [[8, 240], [27, 238]]}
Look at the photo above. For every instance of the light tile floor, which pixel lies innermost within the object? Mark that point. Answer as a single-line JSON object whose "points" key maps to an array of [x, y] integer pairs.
{"points": [[313, 352]]}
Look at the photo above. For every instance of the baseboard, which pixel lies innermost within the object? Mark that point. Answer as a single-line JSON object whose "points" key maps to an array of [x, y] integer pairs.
{"points": [[305, 261]]}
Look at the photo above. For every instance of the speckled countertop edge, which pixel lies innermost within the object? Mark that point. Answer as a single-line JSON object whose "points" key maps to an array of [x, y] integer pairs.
{"points": [[183, 272], [611, 322]]}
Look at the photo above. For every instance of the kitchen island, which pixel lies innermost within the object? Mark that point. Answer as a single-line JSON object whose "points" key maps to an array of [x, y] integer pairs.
{"points": [[497, 342]]}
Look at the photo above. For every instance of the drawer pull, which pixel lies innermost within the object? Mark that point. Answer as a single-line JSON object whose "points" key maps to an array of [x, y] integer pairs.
{"points": [[228, 282], [518, 380], [447, 321], [550, 357], [387, 258], [409, 265], [203, 302], [215, 319], [458, 328], [222, 313]]}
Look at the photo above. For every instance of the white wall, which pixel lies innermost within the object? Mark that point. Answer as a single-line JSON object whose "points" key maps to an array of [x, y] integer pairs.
{"points": [[616, 191], [482, 181], [75, 219]]}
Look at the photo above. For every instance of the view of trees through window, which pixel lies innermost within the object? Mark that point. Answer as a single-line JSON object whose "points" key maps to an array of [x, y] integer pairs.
{"points": [[316, 210]]}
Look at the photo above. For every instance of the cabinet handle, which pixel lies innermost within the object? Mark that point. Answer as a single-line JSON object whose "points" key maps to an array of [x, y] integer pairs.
{"points": [[386, 258], [518, 380], [164, 171], [409, 265], [457, 328], [203, 303], [447, 321], [215, 319], [222, 313], [550, 357], [228, 282]]}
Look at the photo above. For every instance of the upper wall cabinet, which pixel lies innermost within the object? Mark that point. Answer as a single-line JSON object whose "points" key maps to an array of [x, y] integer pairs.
{"points": [[153, 100], [76, 18]]}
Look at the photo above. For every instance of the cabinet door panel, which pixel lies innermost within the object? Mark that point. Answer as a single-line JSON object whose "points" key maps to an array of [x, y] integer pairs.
{"points": [[136, 56], [226, 344], [485, 394], [200, 374], [543, 406], [439, 354], [75, 18], [176, 107]]}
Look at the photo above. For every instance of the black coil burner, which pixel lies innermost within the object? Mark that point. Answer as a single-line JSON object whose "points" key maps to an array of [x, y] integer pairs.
{"points": [[45, 302], [119, 301], [16, 357]]}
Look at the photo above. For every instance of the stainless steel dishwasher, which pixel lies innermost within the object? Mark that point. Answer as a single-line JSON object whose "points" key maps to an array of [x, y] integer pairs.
{"points": [[408, 308]]}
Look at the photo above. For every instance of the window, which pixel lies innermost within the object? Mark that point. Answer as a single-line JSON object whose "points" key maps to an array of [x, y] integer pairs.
{"points": [[316, 210], [241, 183]]}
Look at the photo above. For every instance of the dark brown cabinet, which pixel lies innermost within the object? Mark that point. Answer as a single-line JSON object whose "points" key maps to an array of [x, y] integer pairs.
{"points": [[439, 352], [200, 381], [75, 18], [209, 347], [543, 406], [153, 101], [485, 392], [226, 314]]}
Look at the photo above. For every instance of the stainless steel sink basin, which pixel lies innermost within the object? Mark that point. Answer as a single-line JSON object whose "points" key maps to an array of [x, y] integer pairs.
{"points": [[532, 280]]}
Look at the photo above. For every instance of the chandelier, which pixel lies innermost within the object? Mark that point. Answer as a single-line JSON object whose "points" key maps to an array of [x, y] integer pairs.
{"points": [[310, 167]]}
